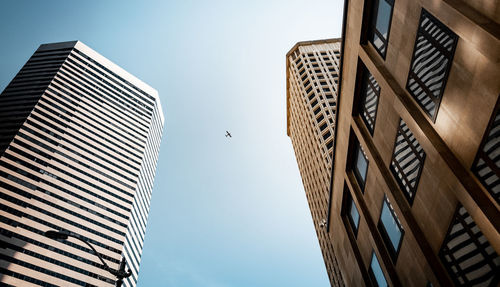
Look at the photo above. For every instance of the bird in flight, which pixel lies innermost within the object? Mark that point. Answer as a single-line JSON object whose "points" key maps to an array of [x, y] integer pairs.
{"points": [[228, 134]]}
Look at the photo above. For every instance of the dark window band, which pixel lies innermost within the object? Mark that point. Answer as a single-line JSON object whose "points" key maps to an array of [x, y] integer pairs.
{"points": [[18, 224], [55, 262], [45, 271]]}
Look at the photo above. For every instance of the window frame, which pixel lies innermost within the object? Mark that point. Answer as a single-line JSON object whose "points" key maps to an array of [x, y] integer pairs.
{"points": [[394, 172], [357, 150], [372, 30], [393, 251], [364, 82], [452, 35], [346, 211], [474, 238], [484, 141], [371, 274]]}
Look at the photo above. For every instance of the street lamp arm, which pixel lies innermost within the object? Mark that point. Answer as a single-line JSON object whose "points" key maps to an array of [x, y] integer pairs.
{"points": [[120, 273], [96, 253]]}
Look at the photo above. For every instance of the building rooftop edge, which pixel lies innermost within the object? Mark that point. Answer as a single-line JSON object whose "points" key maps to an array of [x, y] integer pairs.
{"points": [[313, 42], [295, 47], [111, 66]]}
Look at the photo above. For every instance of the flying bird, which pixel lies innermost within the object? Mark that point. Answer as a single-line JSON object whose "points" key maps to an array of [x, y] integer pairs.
{"points": [[228, 134]]}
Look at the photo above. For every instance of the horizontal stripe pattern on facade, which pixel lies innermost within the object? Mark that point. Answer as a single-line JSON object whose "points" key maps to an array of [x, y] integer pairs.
{"points": [[78, 154]]}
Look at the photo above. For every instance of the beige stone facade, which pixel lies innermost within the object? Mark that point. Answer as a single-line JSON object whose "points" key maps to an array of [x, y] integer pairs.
{"points": [[312, 83], [416, 153]]}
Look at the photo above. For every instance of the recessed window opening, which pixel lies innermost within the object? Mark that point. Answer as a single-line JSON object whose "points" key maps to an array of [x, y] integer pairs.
{"points": [[381, 24], [391, 229], [431, 62], [369, 95], [376, 274], [407, 161]]}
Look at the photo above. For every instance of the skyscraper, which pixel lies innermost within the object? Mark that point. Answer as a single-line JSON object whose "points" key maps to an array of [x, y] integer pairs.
{"points": [[312, 83], [415, 191], [79, 143]]}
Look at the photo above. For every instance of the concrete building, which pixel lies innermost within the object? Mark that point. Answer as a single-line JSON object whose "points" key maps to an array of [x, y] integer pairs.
{"points": [[312, 83], [79, 142], [415, 194]]}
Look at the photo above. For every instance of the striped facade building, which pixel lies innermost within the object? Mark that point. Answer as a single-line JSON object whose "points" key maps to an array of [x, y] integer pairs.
{"points": [[312, 83], [415, 183], [79, 143]]}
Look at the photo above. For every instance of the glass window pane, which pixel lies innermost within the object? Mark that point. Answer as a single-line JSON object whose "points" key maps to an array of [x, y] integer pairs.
{"points": [[376, 272], [354, 214], [380, 22], [391, 225], [377, 42], [361, 164], [383, 17], [370, 91]]}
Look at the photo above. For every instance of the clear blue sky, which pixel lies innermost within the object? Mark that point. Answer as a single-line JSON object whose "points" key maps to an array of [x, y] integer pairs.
{"points": [[225, 212]]}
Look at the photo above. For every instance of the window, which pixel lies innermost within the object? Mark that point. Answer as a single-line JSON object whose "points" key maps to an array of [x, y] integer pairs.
{"points": [[352, 212], [487, 164], [320, 118], [369, 94], [467, 255], [381, 24], [390, 228], [360, 164], [376, 273], [314, 103], [431, 63], [329, 145], [407, 161], [327, 135]]}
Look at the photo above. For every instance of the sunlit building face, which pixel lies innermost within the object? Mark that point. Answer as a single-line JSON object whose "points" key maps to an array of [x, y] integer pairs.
{"points": [[79, 143], [415, 170], [312, 85]]}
